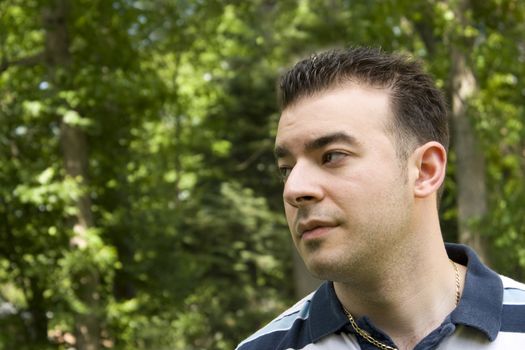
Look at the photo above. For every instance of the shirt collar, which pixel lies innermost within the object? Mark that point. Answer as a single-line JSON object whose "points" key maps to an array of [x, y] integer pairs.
{"points": [[482, 299], [480, 305], [326, 313]]}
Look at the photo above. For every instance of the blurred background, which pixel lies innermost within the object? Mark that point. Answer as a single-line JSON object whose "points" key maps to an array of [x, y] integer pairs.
{"points": [[140, 206]]}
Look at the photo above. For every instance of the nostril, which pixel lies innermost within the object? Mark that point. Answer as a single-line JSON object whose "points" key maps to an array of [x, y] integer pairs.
{"points": [[304, 198]]}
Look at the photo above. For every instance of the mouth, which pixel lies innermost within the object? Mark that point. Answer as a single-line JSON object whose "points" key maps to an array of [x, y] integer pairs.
{"points": [[314, 229]]}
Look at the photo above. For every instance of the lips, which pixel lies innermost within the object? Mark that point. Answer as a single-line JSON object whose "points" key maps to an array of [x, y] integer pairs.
{"points": [[307, 227]]}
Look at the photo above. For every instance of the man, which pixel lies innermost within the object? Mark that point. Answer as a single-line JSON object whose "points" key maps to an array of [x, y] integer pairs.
{"points": [[362, 147]]}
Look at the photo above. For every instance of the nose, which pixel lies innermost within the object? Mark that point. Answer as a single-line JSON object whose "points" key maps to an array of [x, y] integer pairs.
{"points": [[302, 187]]}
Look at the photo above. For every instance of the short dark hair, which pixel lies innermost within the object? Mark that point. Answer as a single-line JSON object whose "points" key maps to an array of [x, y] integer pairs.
{"points": [[419, 108]]}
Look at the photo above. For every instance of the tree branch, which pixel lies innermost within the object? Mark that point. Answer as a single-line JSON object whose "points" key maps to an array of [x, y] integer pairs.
{"points": [[424, 26], [25, 61]]}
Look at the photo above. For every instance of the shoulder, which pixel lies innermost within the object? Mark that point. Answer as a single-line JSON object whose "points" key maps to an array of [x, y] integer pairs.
{"points": [[282, 327], [509, 283], [513, 310], [513, 291]]}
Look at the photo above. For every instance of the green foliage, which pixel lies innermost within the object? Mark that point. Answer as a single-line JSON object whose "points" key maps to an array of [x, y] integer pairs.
{"points": [[176, 99]]}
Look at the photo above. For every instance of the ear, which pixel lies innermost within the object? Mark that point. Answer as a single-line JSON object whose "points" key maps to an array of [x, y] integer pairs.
{"points": [[431, 161]]}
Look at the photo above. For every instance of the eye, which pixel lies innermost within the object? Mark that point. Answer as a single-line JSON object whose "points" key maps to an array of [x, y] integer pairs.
{"points": [[284, 172], [334, 156]]}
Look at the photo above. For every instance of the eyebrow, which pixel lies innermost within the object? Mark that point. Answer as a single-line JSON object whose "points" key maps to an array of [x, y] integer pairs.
{"points": [[318, 143]]}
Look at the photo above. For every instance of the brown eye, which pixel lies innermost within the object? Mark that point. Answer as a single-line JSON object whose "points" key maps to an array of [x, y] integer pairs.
{"points": [[284, 171], [333, 157]]}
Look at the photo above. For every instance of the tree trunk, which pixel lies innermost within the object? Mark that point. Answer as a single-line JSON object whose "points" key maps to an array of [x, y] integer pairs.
{"points": [[39, 325], [74, 150], [470, 164]]}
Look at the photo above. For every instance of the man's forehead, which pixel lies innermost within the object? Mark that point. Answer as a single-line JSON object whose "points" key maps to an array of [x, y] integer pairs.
{"points": [[355, 95], [352, 114]]}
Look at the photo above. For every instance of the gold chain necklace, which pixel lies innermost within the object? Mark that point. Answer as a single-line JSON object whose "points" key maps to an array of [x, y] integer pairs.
{"points": [[458, 293], [376, 342], [365, 334]]}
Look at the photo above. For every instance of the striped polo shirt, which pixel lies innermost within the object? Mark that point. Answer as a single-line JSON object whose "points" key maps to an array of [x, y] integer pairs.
{"points": [[490, 316]]}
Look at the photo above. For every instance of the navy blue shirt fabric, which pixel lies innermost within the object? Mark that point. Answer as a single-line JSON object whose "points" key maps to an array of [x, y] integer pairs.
{"points": [[490, 315]]}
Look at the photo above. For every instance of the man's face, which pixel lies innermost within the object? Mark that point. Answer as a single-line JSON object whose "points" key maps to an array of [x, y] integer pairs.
{"points": [[348, 201]]}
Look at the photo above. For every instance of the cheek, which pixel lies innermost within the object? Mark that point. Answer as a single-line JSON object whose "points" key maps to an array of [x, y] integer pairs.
{"points": [[369, 182], [359, 196]]}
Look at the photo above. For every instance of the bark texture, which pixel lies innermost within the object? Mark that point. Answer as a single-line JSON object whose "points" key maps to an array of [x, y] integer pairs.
{"points": [[75, 154], [470, 165]]}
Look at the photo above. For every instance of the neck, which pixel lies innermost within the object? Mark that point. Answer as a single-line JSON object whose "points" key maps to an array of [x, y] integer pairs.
{"points": [[407, 300]]}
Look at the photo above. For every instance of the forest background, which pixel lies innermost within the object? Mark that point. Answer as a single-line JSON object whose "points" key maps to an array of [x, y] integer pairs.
{"points": [[140, 206]]}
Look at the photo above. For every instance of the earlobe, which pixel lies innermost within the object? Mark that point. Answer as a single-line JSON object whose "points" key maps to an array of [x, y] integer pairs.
{"points": [[431, 160]]}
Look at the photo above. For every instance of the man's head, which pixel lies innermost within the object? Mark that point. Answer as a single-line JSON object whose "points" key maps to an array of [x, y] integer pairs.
{"points": [[420, 113], [361, 145]]}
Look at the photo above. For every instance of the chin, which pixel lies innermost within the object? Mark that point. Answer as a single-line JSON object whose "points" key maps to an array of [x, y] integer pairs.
{"points": [[324, 269]]}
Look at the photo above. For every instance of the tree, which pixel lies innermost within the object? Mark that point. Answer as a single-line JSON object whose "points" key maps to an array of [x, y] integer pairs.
{"points": [[149, 126]]}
